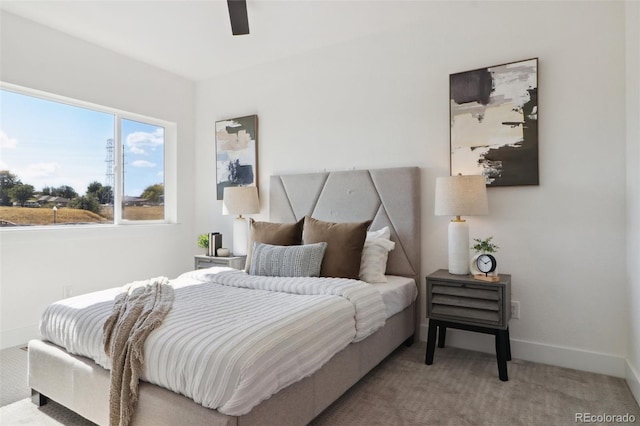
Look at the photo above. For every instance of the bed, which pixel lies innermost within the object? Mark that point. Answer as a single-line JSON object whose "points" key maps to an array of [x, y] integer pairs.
{"points": [[387, 198]]}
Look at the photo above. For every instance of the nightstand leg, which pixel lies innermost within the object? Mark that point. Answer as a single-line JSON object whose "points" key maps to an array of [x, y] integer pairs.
{"points": [[508, 345], [501, 354], [431, 342], [442, 335]]}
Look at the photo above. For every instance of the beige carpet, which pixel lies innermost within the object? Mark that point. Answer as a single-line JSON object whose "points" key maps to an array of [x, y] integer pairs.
{"points": [[460, 388], [13, 375]]}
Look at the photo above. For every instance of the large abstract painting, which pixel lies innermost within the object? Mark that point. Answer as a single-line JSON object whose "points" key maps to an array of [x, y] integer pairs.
{"points": [[236, 153], [494, 123]]}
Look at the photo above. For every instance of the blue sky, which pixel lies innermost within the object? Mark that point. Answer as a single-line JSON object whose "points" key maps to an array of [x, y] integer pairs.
{"points": [[48, 143]]}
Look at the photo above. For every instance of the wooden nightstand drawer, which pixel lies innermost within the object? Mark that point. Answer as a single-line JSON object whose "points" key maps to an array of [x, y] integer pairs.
{"points": [[481, 292], [464, 314], [464, 302]]}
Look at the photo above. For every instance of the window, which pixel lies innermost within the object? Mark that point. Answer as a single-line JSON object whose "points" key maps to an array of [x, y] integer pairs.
{"points": [[69, 162], [143, 165]]}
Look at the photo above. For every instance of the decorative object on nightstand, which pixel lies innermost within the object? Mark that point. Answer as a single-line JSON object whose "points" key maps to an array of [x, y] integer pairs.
{"points": [[463, 303], [484, 263], [240, 200], [203, 261], [460, 196], [211, 242], [215, 242], [203, 242]]}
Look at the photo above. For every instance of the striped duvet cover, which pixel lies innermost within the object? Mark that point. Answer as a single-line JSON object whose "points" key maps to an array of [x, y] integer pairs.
{"points": [[231, 340]]}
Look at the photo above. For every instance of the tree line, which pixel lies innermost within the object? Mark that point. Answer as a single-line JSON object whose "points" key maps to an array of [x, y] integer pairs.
{"points": [[12, 190]]}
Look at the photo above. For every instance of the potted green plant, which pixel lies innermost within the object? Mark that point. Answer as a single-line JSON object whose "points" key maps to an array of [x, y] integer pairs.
{"points": [[485, 246], [203, 241]]}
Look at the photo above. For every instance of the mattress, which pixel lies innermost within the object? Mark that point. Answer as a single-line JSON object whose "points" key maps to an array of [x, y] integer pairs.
{"points": [[397, 293]]}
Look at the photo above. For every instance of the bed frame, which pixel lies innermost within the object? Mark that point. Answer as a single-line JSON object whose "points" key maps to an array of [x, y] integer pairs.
{"points": [[389, 197]]}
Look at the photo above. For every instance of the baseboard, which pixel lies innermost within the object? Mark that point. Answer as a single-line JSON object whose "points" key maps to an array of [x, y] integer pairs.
{"points": [[633, 380], [559, 356], [18, 336]]}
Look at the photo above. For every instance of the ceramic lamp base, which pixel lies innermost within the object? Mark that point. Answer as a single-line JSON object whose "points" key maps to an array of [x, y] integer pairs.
{"points": [[458, 248], [240, 236]]}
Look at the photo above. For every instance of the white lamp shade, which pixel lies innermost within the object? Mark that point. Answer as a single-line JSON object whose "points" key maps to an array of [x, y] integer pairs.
{"points": [[461, 196], [240, 200]]}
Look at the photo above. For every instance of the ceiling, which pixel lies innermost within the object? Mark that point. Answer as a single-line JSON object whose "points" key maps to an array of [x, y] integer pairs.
{"points": [[193, 38]]}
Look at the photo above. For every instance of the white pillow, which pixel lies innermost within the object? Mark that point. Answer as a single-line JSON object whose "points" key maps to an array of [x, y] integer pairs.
{"points": [[380, 233], [375, 252]]}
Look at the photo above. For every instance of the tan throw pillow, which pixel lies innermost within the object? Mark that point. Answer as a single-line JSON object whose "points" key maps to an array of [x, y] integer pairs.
{"points": [[277, 234], [344, 245]]}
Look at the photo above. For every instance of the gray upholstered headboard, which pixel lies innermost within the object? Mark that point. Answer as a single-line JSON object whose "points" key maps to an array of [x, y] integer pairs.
{"points": [[389, 197]]}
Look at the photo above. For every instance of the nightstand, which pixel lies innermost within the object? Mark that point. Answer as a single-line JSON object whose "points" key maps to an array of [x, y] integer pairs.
{"points": [[462, 302], [203, 261]]}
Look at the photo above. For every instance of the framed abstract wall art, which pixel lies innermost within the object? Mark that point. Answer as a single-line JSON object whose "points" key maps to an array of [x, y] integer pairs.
{"points": [[236, 153], [494, 123]]}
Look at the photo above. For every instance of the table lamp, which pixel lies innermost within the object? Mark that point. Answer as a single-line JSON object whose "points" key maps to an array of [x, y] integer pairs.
{"points": [[460, 196], [240, 200]]}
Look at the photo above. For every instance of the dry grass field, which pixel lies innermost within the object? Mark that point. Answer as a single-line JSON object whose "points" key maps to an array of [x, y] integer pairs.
{"points": [[144, 213], [44, 216], [137, 212]]}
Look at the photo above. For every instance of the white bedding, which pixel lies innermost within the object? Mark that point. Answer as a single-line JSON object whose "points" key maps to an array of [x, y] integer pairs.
{"points": [[397, 293], [232, 340]]}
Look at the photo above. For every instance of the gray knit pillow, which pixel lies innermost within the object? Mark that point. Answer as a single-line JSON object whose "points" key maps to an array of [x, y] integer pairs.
{"points": [[287, 261]]}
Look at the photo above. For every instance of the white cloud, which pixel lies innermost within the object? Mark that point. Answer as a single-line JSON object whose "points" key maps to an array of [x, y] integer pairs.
{"points": [[142, 163], [39, 170], [139, 142], [6, 142]]}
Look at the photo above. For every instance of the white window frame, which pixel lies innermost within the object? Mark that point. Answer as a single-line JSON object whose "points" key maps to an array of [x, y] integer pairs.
{"points": [[170, 157]]}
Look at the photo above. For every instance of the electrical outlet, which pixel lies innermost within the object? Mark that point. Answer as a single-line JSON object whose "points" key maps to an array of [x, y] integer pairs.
{"points": [[67, 292], [515, 309]]}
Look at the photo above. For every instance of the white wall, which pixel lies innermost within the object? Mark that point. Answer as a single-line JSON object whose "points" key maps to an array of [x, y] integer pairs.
{"points": [[632, 14], [35, 265], [382, 101]]}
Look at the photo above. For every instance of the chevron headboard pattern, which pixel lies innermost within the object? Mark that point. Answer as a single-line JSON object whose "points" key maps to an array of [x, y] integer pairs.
{"points": [[388, 197]]}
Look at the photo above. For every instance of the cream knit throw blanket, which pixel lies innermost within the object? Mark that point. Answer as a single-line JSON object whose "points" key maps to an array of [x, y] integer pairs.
{"points": [[136, 313]]}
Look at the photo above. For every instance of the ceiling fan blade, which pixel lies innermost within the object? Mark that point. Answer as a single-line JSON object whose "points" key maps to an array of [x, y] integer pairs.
{"points": [[238, 16]]}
